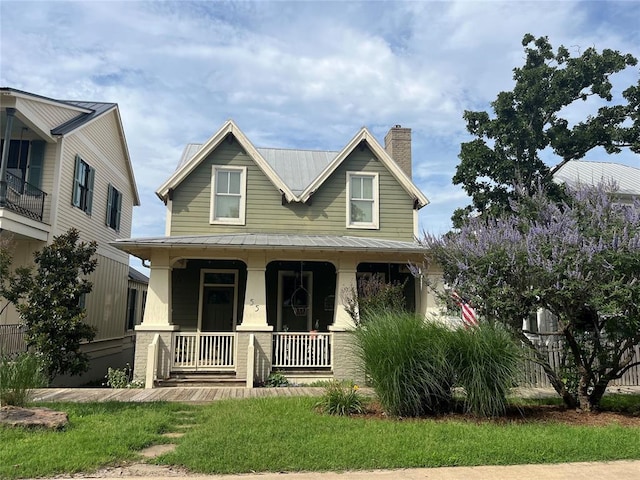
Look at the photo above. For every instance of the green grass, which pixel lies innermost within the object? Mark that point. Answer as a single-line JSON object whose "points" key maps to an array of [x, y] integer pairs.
{"points": [[98, 434], [287, 434], [284, 434]]}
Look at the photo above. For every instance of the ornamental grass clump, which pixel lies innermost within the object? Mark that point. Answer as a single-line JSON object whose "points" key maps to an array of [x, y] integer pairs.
{"points": [[341, 398], [406, 362], [19, 375], [487, 362]]}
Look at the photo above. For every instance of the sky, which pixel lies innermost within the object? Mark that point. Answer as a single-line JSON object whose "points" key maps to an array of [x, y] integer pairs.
{"points": [[304, 75]]}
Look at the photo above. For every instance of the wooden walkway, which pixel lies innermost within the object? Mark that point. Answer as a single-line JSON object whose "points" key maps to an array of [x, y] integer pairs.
{"points": [[168, 394]]}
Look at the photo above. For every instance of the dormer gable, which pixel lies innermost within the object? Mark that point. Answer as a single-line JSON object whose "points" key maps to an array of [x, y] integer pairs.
{"points": [[229, 128]]}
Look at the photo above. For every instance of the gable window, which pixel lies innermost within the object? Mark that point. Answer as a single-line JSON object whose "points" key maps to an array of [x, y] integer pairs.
{"points": [[114, 207], [362, 200], [83, 185], [228, 195]]}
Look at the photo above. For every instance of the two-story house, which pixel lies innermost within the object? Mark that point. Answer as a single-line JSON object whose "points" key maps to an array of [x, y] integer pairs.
{"points": [[66, 164], [263, 244]]}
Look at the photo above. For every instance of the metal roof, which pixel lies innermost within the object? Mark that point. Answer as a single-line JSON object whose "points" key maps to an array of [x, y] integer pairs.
{"points": [[97, 109], [296, 168], [136, 276], [578, 172], [272, 241]]}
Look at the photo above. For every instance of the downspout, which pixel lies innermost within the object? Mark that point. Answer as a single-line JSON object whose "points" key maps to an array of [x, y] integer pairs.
{"points": [[5, 156]]}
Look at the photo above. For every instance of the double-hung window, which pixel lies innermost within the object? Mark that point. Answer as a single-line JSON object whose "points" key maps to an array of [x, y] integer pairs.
{"points": [[228, 195], [114, 207], [362, 200], [83, 185]]}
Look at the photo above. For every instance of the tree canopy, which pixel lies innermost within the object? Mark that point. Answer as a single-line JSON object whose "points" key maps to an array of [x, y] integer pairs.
{"points": [[49, 301], [578, 259], [533, 117]]}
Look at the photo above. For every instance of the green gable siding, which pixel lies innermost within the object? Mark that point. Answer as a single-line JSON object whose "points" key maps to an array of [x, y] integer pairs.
{"points": [[265, 212]]}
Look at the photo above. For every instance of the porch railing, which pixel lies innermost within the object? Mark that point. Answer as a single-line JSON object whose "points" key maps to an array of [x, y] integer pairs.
{"points": [[203, 351], [301, 350], [12, 339], [21, 197]]}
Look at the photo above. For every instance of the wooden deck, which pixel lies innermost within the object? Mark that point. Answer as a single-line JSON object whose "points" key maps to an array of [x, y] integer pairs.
{"points": [[170, 394]]}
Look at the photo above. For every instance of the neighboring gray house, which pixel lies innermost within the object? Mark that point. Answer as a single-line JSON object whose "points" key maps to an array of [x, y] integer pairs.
{"points": [[65, 163]]}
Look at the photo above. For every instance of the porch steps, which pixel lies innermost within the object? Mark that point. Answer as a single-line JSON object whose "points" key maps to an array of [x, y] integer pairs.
{"points": [[195, 379]]}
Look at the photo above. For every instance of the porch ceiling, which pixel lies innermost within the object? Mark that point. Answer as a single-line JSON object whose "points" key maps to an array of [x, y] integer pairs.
{"points": [[142, 247]]}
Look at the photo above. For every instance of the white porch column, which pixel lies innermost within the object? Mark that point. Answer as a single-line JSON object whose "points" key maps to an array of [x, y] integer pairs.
{"points": [[345, 281], [426, 286], [254, 318], [157, 312]]}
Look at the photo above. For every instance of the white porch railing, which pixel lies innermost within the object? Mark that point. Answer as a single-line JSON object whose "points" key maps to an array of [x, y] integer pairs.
{"points": [[301, 350], [204, 351]]}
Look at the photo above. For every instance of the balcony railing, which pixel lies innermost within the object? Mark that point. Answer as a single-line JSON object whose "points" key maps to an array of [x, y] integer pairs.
{"points": [[21, 197]]}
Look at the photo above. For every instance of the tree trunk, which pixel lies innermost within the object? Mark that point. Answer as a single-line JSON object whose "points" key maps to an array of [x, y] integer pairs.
{"points": [[556, 382]]}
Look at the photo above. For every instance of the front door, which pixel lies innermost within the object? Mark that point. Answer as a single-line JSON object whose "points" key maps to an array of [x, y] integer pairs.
{"points": [[219, 294]]}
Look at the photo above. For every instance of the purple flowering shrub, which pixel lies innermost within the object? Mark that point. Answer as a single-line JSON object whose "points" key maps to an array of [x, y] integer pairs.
{"points": [[579, 259]]}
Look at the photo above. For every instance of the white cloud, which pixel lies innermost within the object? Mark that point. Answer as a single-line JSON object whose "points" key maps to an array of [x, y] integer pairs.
{"points": [[293, 74]]}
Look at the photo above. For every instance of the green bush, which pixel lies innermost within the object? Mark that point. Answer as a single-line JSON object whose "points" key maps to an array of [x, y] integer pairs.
{"points": [[18, 376], [122, 378], [487, 361], [341, 399], [406, 362], [276, 379]]}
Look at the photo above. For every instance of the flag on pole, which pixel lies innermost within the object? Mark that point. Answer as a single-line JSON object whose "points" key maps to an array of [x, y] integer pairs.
{"points": [[468, 313]]}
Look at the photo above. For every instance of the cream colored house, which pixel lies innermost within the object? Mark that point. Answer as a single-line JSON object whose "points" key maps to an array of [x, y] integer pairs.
{"points": [[66, 164], [261, 245]]}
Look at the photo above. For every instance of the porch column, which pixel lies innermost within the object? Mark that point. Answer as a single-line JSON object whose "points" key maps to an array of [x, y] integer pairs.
{"points": [[426, 287], [345, 281], [157, 312], [254, 318], [5, 156]]}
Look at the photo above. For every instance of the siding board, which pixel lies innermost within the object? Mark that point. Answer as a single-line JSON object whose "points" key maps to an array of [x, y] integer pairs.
{"points": [[264, 212]]}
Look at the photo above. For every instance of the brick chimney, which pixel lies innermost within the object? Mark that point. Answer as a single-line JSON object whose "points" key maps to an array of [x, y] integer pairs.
{"points": [[397, 143]]}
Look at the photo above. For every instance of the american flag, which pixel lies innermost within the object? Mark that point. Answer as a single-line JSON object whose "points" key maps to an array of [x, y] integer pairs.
{"points": [[468, 313]]}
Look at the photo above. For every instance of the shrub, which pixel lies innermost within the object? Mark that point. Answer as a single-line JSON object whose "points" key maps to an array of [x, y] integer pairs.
{"points": [[406, 362], [341, 399], [487, 361], [373, 295], [122, 378], [18, 376], [276, 379]]}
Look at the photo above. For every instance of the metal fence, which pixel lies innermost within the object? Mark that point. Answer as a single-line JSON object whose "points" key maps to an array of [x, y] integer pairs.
{"points": [[12, 339]]}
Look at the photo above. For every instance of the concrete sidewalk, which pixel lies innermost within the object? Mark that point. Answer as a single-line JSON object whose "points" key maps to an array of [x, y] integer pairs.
{"points": [[619, 470]]}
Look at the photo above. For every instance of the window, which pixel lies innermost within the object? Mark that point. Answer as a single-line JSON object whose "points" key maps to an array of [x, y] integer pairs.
{"points": [[132, 295], [228, 195], [362, 204], [114, 207], [83, 185]]}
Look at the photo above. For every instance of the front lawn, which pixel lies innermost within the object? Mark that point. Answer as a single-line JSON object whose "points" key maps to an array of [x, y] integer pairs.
{"points": [[286, 434]]}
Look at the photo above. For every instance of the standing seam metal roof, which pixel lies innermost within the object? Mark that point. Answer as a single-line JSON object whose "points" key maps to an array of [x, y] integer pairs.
{"points": [[297, 168], [269, 240], [591, 173]]}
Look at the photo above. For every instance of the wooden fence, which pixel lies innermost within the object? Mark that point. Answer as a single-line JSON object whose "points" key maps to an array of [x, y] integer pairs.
{"points": [[534, 375], [12, 339]]}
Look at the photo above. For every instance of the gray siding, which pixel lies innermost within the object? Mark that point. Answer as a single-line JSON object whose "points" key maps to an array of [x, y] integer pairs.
{"points": [[265, 213]]}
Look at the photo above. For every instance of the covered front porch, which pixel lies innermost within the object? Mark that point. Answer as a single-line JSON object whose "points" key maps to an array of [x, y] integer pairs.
{"points": [[248, 311]]}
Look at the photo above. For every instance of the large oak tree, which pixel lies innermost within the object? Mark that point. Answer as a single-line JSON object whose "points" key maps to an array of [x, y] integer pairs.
{"points": [[533, 117]]}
